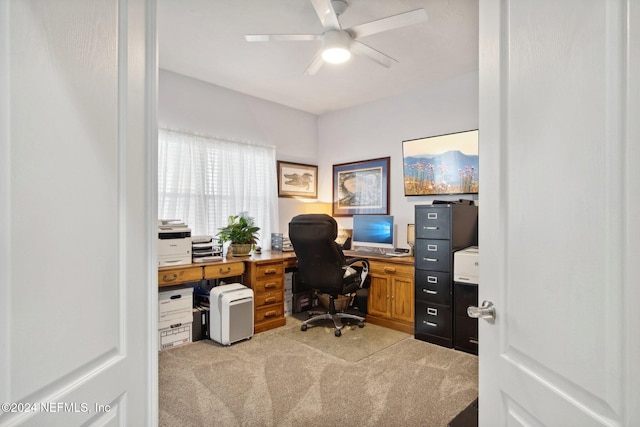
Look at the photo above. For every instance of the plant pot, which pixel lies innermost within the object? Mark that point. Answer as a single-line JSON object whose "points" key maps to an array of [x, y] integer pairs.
{"points": [[239, 249]]}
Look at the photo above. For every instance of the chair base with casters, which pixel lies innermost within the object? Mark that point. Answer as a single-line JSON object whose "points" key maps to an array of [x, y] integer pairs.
{"points": [[333, 315]]}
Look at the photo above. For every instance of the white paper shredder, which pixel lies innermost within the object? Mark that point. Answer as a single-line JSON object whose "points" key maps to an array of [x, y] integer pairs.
{"points": [[231, 315]]}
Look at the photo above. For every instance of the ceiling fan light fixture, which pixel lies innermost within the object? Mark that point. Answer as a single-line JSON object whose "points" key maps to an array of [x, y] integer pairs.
{"points": [[335, 46]]}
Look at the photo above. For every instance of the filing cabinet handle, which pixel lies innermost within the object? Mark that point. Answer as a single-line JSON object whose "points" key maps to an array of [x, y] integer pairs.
{"points": [[270, 271], [430, 324], [431, 259], [270, 313], [171, 278], [389, 270], [228, 270], [270, 300], [431, 228], [472, 341], [270, 285], [429, 291]]}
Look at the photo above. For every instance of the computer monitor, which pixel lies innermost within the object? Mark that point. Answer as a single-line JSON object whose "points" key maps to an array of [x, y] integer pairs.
{"points": [[373, 231]]}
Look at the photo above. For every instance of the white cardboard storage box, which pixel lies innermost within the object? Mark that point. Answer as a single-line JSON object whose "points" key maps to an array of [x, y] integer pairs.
{"points": [[175, 307], [174, 336]]}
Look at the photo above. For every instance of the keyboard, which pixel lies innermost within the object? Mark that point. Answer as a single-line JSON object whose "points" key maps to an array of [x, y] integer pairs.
{"points": [[398, 254]]}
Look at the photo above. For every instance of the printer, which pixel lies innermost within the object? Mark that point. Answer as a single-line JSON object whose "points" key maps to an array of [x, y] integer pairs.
{"points": [[174, 243], [466, 265]]}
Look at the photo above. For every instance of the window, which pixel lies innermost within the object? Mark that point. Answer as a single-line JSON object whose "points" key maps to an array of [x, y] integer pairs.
{"points": [[203, 180]]}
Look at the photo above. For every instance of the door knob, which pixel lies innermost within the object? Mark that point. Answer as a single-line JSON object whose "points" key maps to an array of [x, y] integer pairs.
{"points": [[485, 311]]}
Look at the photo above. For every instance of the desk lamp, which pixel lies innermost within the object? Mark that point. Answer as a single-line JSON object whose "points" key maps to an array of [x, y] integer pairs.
{"points": [[411, 237]]}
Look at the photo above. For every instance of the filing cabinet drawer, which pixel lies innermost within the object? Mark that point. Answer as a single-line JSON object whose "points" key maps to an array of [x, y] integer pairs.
{"points": [[270, 312], [433, 286], [175, 276], [433, 319], [433, 254], [268, 298], [223, 270], [432, 222]]}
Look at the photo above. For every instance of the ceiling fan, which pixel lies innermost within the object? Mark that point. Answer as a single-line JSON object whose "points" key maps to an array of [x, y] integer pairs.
{"points": [[338, 43]]}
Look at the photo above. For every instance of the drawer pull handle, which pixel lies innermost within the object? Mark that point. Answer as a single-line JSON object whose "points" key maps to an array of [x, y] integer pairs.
{"points": [[270, 271], [270, 300], [472, 341], [432, 247], [432, 311], [171, 278], [429, 291], [432, 279], [221, 271], [389, 270], [431, 259], [431, 228], [430, 324], [270, 313], [432, 215], [270, 285]]}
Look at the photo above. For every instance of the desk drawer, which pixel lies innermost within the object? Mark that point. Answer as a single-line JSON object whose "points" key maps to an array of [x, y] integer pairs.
{"points": [[270, 270], [226, 269], [269, 312], [176, 276], [268, 298], [269, 285], [382, 267]]}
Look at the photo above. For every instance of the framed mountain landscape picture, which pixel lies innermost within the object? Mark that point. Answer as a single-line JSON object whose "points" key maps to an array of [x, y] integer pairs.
{"points": [[442, 164]]}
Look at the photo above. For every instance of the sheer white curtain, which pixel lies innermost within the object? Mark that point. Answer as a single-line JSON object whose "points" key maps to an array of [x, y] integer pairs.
{"points": [[203, 180]]}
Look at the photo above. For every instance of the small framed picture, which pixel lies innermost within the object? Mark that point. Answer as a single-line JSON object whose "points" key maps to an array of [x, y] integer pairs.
{"points": [[297, 180]]}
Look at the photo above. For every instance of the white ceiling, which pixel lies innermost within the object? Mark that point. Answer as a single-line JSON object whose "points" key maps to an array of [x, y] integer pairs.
{"points": [[204, 39]]}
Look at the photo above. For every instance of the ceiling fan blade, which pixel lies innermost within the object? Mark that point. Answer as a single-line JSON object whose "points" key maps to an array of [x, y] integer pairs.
{"points": [[280, 37], [364, 50], [325, 12], [315, 64], [389, 23]]}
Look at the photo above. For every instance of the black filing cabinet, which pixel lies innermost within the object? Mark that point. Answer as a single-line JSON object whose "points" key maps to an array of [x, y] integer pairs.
{"points": [[441, 229], [465, 327]]}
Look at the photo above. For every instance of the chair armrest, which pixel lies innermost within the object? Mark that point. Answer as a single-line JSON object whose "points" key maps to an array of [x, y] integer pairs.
{"points": [[364, 264]]}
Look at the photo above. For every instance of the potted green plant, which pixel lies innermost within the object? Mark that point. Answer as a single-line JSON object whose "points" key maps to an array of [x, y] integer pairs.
{"points": [[242, 232]]}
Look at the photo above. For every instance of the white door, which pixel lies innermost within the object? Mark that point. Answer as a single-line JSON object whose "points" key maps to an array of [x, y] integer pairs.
{"points": [[77, 202], [560, 212]]}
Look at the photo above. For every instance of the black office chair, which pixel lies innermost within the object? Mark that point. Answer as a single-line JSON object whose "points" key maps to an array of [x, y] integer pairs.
{"points": [[323, 267]]}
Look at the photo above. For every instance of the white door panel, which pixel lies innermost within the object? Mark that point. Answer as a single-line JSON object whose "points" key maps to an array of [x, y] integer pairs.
{"points": [[558, 94], [78, 101]]}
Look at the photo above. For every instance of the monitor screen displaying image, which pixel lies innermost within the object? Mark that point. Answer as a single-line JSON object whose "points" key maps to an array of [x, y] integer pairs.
{"points": [[375, 231]]}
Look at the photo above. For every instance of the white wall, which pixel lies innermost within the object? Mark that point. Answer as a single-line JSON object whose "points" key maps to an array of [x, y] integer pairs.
{"points": [[360, 133], [193, 105], [377, 130]]}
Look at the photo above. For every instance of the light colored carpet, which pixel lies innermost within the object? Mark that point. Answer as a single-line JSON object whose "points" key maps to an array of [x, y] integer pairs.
{"points": [[276, 379], [355, 343]]}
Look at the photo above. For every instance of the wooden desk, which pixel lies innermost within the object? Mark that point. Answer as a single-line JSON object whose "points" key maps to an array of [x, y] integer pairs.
{"points": [[391, 292], [176, 275]]}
